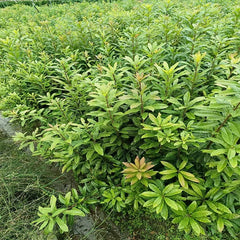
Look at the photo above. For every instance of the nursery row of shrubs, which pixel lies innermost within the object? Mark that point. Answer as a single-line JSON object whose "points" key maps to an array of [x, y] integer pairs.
{"points": [[138, 100]]}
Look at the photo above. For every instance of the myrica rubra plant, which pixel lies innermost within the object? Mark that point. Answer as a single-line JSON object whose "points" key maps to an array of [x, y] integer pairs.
{"points": [[159, 81]]}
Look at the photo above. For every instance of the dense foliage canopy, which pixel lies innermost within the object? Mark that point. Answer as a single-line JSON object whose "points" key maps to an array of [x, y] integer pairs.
{"points": [[138, 99]]}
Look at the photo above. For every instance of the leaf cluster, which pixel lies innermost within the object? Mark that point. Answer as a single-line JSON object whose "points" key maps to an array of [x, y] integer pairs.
{"points": [[106, 82]]}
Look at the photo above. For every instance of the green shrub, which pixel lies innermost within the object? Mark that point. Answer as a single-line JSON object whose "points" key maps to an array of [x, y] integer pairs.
{"points": [[108, 82]]}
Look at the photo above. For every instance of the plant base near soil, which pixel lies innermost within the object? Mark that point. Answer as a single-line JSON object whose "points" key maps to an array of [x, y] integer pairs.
{"points": [[140, 225], [25, 183]]}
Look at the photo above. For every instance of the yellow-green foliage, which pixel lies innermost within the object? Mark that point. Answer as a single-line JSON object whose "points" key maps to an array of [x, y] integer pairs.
{"points": [[101, 83]]}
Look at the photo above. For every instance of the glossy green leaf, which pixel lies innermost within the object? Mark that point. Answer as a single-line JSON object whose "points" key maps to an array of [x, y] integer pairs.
{"points": [[44, 224], [75, 212], [222, 165], [58, 211], [164, 212], [195, 226], [149, 194], [98, 148], [168, 165], [231, 153], [182, 181], [53, 201], [167, 172], [218, 152], [172, 204], [192, 207], [220, 224], [62, 225], [183, 223], [234, 162]]}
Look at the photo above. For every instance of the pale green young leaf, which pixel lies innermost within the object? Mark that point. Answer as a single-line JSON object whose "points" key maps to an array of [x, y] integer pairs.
{"points": [[218, 152], [220, 224], [227, 136], [222, 165], [169, 176], [62, 225], [164, 212], [149, 203], [167, 172], [98, 148], [75, 212], [192, 207], [202, 213], [168, 188], [186, 98], [234, 162], [157, 202], [44, 224], [53, 201], [195, 226], [67, 198], [149, 194], [58, 211], [182, 181], [172, 204], [183, 164], [231, 153], [183, 223], [50, 226], [44, 211], [168, 165]]}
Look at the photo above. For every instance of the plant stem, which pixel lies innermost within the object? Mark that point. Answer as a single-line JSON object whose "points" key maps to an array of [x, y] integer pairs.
{"points": [[184, 113], [193, 45], [141, 98], [222, 124], [231, 72], [194, 79], [63, 111], [110, 115], [65, 73], [114, 78], [133, 48], [167, 87]]}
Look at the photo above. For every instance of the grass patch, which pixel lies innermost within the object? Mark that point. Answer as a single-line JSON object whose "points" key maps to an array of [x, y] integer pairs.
{"points": [[24, 185]]}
